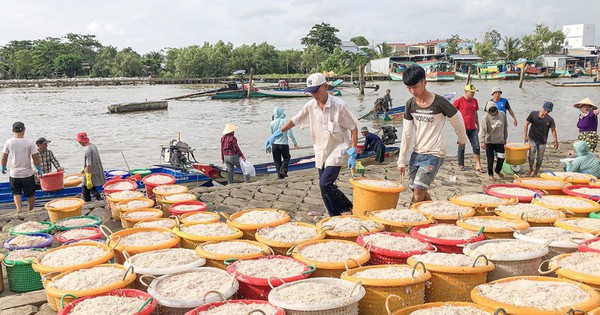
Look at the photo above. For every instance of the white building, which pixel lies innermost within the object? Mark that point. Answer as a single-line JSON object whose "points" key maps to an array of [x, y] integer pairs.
{"points": [[579, 35], [349, 46]]}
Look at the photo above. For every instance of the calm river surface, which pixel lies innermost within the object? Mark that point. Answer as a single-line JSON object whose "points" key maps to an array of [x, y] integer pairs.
{"points": [[59, 113]]}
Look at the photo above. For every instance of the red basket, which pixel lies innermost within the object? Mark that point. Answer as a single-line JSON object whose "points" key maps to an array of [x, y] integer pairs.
{"points": [[118, 180], [59, 237], [209, 306], [569, 191], [521, 199], [150, 187], [584, 247], [52, 181], [259, 288], [382, 256], [147, 309], [201, 207], [443, 245]]}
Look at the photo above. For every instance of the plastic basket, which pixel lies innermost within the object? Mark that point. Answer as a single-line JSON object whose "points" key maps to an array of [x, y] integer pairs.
{"points": [[166, 190], [214, 217], [516, 153], [47, 243], [405, 291], [571, 211], [73, 180], [61, 227], [58, 213], [489, 189], [595, 215], [200, 206], [494, 232], [128, 222], [52, 181], [217, 259], [591, 303], [113, 240], [150, 186], [44, 269], [453, 283], [147, 308], [282, 248], [549, 221], [589, 279], [564, 224], [569, 177], [550, 186], [411, 309], [330, 269], [170, 223], [250, 229], [383, 256], [213, 305], [585, 246], [21, 276], [143, 172], [61, 239], [112, 201], [369, 198], [570, 192], [482, 208], [48, 229], [167, 201], [444, 245], [396, 226], [554, 247], [192, 240], [132, 185], [442, 218], [347, 235]]}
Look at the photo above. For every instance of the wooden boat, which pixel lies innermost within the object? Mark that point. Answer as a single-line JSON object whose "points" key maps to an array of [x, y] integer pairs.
{"points": [[574, 84], [437, 71], [282, 93], [398, 68], [137, 106], [235, 95], [396, 113], [185, 177], [219, 174]]}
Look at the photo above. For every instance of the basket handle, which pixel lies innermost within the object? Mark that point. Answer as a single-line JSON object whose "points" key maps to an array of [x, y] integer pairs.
{"points": [[256, 311], [500, 311], [547, 243], [542, 272], [575, 312], [524, 217], [487, 210], [435, 249], [545, 192], [105, 230], [460, 216], [325, 228], [352, 259], [362, 227], [419, 263], [267, 253], [290, 250], [158, 207], [592, 196], [575, 240], [387, 302], [8, 265], [368, 243], [229, 261], [50, 274], [215, 292], [515, 176], [142, 277], [110, 239], [126, 255], [537, 196], [62, 299], [311, 269], [271, 284], [149, 300], [127, 271], [358, 284], [487, 262], [481, 229], [225, 216], [318, 218]]}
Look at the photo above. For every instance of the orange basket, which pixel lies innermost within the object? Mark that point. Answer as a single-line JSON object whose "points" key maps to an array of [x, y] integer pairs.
{"points": [[495, 232], [190, 241], [330, 269], [57, 213], [281, 248], [411, 309], [52, 181], [589, 279], [128, 219], [369, 198], [73, 180], [442, 218], [397, 226], [217, 260], [347, 235], [548, 186], [44, 269], [482, 208], [114, 239], [249, 229]]}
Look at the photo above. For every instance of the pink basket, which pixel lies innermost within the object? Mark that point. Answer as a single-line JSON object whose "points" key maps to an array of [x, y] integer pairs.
{"points": [[382, 256], [52, 181]]}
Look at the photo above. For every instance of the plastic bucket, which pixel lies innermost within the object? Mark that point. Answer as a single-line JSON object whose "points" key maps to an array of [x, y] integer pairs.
{"points": [[142, 171], [52, 181], [516, 153], [197, 205], [146, 179], [369, 198], [58, 213], [132, 185], [146, 309]]}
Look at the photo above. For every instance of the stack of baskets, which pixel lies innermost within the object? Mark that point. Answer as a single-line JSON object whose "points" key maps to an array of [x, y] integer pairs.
{"points": [[250, 220]]}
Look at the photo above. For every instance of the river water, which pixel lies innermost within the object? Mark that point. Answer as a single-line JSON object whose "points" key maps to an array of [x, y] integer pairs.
{"points": [[59, 113]]}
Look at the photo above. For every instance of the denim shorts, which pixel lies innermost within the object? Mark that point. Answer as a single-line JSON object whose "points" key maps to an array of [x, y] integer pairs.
{"points": [[422, 169]]}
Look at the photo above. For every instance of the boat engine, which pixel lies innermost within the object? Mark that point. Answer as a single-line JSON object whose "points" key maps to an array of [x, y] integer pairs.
{"points": [[389, 135], [178, 154]]}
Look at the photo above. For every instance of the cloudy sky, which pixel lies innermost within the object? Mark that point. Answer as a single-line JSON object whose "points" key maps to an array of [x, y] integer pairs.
{"points": [[150, 25]]}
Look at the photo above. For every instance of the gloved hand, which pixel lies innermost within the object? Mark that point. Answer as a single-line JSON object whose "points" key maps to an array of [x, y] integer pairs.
{"points": [[3, 169], [268, 150], [272, 138], [352, 159], [88, 181], [82, 171], [39, 169]]}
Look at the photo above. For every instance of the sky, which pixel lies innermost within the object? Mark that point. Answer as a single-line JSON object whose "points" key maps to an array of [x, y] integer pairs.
{"points": [[151, 25]]}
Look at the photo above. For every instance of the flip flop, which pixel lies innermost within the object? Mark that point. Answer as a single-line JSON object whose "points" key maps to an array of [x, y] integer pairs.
{"points": [[479, 170]]}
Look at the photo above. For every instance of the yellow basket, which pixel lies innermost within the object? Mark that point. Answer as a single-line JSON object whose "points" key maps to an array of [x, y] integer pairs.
{"points": [[495, 233], [347, 236], [167, 190], [482, 208], [410, 310], [217, 260], [516, 153], [548, 186], [442, 219], [250, 229], [369, 198], [406, 291], [111, 202], [595, 311], [564, 224], [124, 206], [566, 177], [113, 239], [280, 248], [167, 201], [44, 269], [190, 241], [214, 217], [58, 213], [589, 279], [330, 269], [453, 283], [73, 180], [530, 220], [171, 223], [1, 275], [57, 299], [397, 226], [127, 222], [571, 211]]}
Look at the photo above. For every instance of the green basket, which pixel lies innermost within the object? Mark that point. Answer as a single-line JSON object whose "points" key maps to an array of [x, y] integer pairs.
{"points": [[47, 230], [142, 171], [21, 276], [93, 217], [595, 215]]}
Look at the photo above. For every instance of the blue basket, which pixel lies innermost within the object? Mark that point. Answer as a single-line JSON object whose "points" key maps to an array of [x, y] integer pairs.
{"points": [[116, 174], [49, 239]]}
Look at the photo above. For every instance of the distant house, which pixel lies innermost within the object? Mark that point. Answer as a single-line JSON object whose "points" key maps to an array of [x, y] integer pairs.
{"points": [[349, 46], [430, 47]]}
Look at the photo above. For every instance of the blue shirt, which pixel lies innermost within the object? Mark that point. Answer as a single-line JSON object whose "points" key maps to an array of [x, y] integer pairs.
{"points": [[373, 143], [502, 104], [276, 125]]}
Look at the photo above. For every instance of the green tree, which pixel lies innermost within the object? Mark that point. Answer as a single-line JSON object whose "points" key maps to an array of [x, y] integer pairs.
{"points": [[242, 58], [542, 41], [384, 50], [485, 50], [512, 48], [339, 62], [322, 35], [129, 63], [360, 41], [313, 57], [452, 47], [290, 61], [70, 64], [106, 64], [189, 62], [23, 64], [44, 52], [493, 37], [170, 59], [152, 61]]}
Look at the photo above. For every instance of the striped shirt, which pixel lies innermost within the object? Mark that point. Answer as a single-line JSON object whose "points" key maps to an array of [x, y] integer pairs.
{"points": [[47, 158]]}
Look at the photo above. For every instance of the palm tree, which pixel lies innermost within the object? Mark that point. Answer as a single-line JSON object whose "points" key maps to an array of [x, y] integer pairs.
{"points": [[385, 50], [512, 48]]}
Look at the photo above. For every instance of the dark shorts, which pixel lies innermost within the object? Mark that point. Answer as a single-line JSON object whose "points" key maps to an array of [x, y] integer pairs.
{"points": [[25, 186], [422, 170]]}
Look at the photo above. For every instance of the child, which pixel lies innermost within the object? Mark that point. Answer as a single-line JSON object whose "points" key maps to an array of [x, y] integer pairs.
{"points": [[493, 133]]}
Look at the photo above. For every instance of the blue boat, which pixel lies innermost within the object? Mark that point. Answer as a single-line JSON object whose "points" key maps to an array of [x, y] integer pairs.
{"points": [[189, 177]]}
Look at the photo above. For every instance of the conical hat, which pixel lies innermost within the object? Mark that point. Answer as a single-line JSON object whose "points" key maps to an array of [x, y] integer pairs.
{"points": [[229, 128], [585, 101]]}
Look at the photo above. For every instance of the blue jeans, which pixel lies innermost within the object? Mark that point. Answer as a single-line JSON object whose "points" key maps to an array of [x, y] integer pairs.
{"points": [[422, 169], [474, 140], [335, 200]]}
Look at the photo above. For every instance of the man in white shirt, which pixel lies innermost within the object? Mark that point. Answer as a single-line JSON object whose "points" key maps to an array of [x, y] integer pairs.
{"points": [[425, 115], [334, 133], [19, 152]]}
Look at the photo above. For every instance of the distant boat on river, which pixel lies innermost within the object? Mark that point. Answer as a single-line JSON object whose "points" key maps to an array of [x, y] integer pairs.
{"points": [[574, 84], [137, 106]]}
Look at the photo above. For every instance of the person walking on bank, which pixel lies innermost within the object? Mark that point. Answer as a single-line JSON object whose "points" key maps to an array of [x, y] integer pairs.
{"points": [[468, 107], [493, 133], [231, 152], [588, 123], [334, 132], [537, 136], [373, 144], [502, 104], [47, 156], [387, 100], [92, 169], [281, 148], [425, 116], [19, 152]]}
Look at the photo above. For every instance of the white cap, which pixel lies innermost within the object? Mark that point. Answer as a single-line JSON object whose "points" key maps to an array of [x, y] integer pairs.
{"points": [[314, 82], [496, 89]]}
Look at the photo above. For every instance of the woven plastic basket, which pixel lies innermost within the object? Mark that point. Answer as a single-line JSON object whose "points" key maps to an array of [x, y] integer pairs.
{"points": [[554, 266], [166, 190], [547, 186], [281, 248], [197, 206], [453, 283], [132, 204], [49, 227], [146, 309], [21, 277], [482, 208], [442, 218], [383, 256], [533, 221], [150, 185], [569, 177], [167, 201], [585, 246], [410, 310], [567, 225], [570, 191], [369, 198], [52, 181], [211, 306], [347, 235], [113, 240], [250, 229], [113, 199], [495, 232], [406, 291], [168, 223], [73, 180], [47, 243], [396, 226], [128, 219], [60, 225], [330, 269], [491, 190], [44, 269], [444, 245], [554, 247], [206, 215], [214, 259], [58, 213], [60, 237], [570, 211], [190, 241]]}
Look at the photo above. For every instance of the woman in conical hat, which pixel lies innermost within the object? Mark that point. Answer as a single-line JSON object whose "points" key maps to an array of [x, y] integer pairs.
{"points": [[231, 152], [588, 122]]}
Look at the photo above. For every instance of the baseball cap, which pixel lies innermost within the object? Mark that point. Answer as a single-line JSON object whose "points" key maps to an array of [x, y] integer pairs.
{"points": [[496, 89], [470, 88], [42, 140], [314, 82], [83, 137], [364, 129], [548, 106], [18, 126]]}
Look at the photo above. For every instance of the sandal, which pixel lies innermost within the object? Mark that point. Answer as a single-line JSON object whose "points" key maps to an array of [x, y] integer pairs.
{"points": [[462, 168], [478, 170]]}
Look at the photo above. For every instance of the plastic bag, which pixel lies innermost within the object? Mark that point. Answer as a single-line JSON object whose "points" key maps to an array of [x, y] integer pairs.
{"points": [[247, 168]]}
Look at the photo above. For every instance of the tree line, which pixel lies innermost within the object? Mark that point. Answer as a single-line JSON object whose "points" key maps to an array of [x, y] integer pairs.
{"points": [[83, 55]]}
